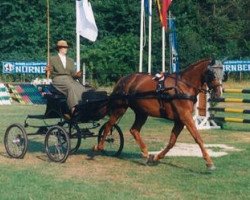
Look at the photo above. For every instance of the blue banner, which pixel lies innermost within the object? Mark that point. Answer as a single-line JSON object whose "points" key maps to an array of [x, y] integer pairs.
{"points": [[174, 60], [236, 66], [24, 67]]}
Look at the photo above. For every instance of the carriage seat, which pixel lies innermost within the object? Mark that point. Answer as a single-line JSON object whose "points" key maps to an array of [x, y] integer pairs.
{"points": [[53, 93], [56, 103], [92, 101]]}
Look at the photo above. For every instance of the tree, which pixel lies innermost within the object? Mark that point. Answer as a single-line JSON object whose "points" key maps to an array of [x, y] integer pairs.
{"points": [[205, 28]]}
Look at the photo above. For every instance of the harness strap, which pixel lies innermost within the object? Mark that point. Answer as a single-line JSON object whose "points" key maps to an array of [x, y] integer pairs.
{"points": [[162, 108], [153, 95]]}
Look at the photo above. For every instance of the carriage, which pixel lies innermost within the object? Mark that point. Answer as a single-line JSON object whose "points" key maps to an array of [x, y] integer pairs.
{"points": [[174, 100], [63, 135]]}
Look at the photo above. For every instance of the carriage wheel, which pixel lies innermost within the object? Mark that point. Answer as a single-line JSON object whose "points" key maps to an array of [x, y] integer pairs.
{"points": [[75, 137], [57, 144], [114, 141], [16, 141]]}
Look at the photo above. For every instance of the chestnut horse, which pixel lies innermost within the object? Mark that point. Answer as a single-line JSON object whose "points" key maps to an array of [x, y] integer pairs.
{"points": [[175, 102]]}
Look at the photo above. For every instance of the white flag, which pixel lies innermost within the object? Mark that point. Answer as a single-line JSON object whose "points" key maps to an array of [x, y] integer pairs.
{"points": [[85, 21]]}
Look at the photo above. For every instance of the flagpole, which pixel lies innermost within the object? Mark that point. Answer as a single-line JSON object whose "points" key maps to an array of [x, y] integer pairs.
{"points": [[141, 36], [77, 43], [78, 50], [170, 44], [163, 49], [149, 36], [48, 39]]}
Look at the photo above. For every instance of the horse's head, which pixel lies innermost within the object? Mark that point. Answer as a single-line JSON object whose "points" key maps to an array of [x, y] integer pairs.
{"points": [[213, 78]]}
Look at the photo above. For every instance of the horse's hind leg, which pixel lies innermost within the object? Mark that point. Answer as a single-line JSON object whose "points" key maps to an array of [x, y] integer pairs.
{"points": [[140, 120], [112, 120], [178, 126]]}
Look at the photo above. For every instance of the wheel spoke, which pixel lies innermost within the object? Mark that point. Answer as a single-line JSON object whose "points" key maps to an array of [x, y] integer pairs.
{"points": [[113, 142], [57, 144]]}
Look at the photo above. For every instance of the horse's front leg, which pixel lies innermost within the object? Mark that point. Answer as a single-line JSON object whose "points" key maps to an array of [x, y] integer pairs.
{"points": [[140, 119], [190, 124], [178, 127]]}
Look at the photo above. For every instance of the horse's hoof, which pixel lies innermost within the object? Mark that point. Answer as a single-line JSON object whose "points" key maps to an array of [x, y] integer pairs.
{"points": [[151, 160], [143, 155], [95, 148], [211, 167]]}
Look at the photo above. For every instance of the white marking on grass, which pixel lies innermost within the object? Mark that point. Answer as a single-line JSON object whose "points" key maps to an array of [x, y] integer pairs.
{"points": [[193, 150]]}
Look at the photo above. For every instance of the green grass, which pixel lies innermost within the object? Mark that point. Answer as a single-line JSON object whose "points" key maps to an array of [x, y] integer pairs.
{"points": [[126, 177]]}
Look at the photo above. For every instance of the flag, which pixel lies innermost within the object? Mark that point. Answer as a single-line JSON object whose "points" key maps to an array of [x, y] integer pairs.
{"points": [[146, 5], [165, 7], [162, 9], [158, 6], [85, 21]]}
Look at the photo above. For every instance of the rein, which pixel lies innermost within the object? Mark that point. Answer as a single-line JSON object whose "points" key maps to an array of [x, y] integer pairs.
{"points": [[198, 90]]}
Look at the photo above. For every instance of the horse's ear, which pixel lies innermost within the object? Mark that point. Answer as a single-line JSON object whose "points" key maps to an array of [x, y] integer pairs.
{"points": [[212, 62]]}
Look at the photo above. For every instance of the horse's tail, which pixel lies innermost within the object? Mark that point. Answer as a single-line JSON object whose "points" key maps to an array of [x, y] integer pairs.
{"points": [[119, 96], [124, 89], [104, 108]]}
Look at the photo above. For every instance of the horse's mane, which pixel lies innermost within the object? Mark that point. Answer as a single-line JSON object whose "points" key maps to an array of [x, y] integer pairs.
{"points": [[189, 67]]}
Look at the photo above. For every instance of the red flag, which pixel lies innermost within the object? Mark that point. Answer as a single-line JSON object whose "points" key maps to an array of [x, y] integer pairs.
{"points": [[164, 11]]}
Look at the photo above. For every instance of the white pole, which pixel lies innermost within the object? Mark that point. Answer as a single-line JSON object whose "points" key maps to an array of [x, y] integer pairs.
{"points": [[170, 44], [77, 41], [77, 52], [83, 73], [141, 36], [163, 50], [149, 36], [78, 47], [48, 38]]}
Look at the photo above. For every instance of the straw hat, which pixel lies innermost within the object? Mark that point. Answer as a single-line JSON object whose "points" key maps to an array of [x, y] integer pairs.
{"points": [[62, 44]]}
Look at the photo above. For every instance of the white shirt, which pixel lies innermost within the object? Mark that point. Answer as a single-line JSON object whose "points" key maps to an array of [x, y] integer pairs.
{"points": [[63, 59]]}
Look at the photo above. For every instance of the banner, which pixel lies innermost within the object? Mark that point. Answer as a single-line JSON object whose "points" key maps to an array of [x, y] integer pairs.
{"points": [[174, 60], [85, 21], [146, 5], [24, 67], [236, 66]]}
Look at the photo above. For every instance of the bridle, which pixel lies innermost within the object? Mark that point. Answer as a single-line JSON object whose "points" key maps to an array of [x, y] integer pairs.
{"points": [[208, 78]]}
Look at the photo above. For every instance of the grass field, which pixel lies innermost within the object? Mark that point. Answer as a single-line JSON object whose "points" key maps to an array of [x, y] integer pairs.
{"points": [[126, 177]]}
